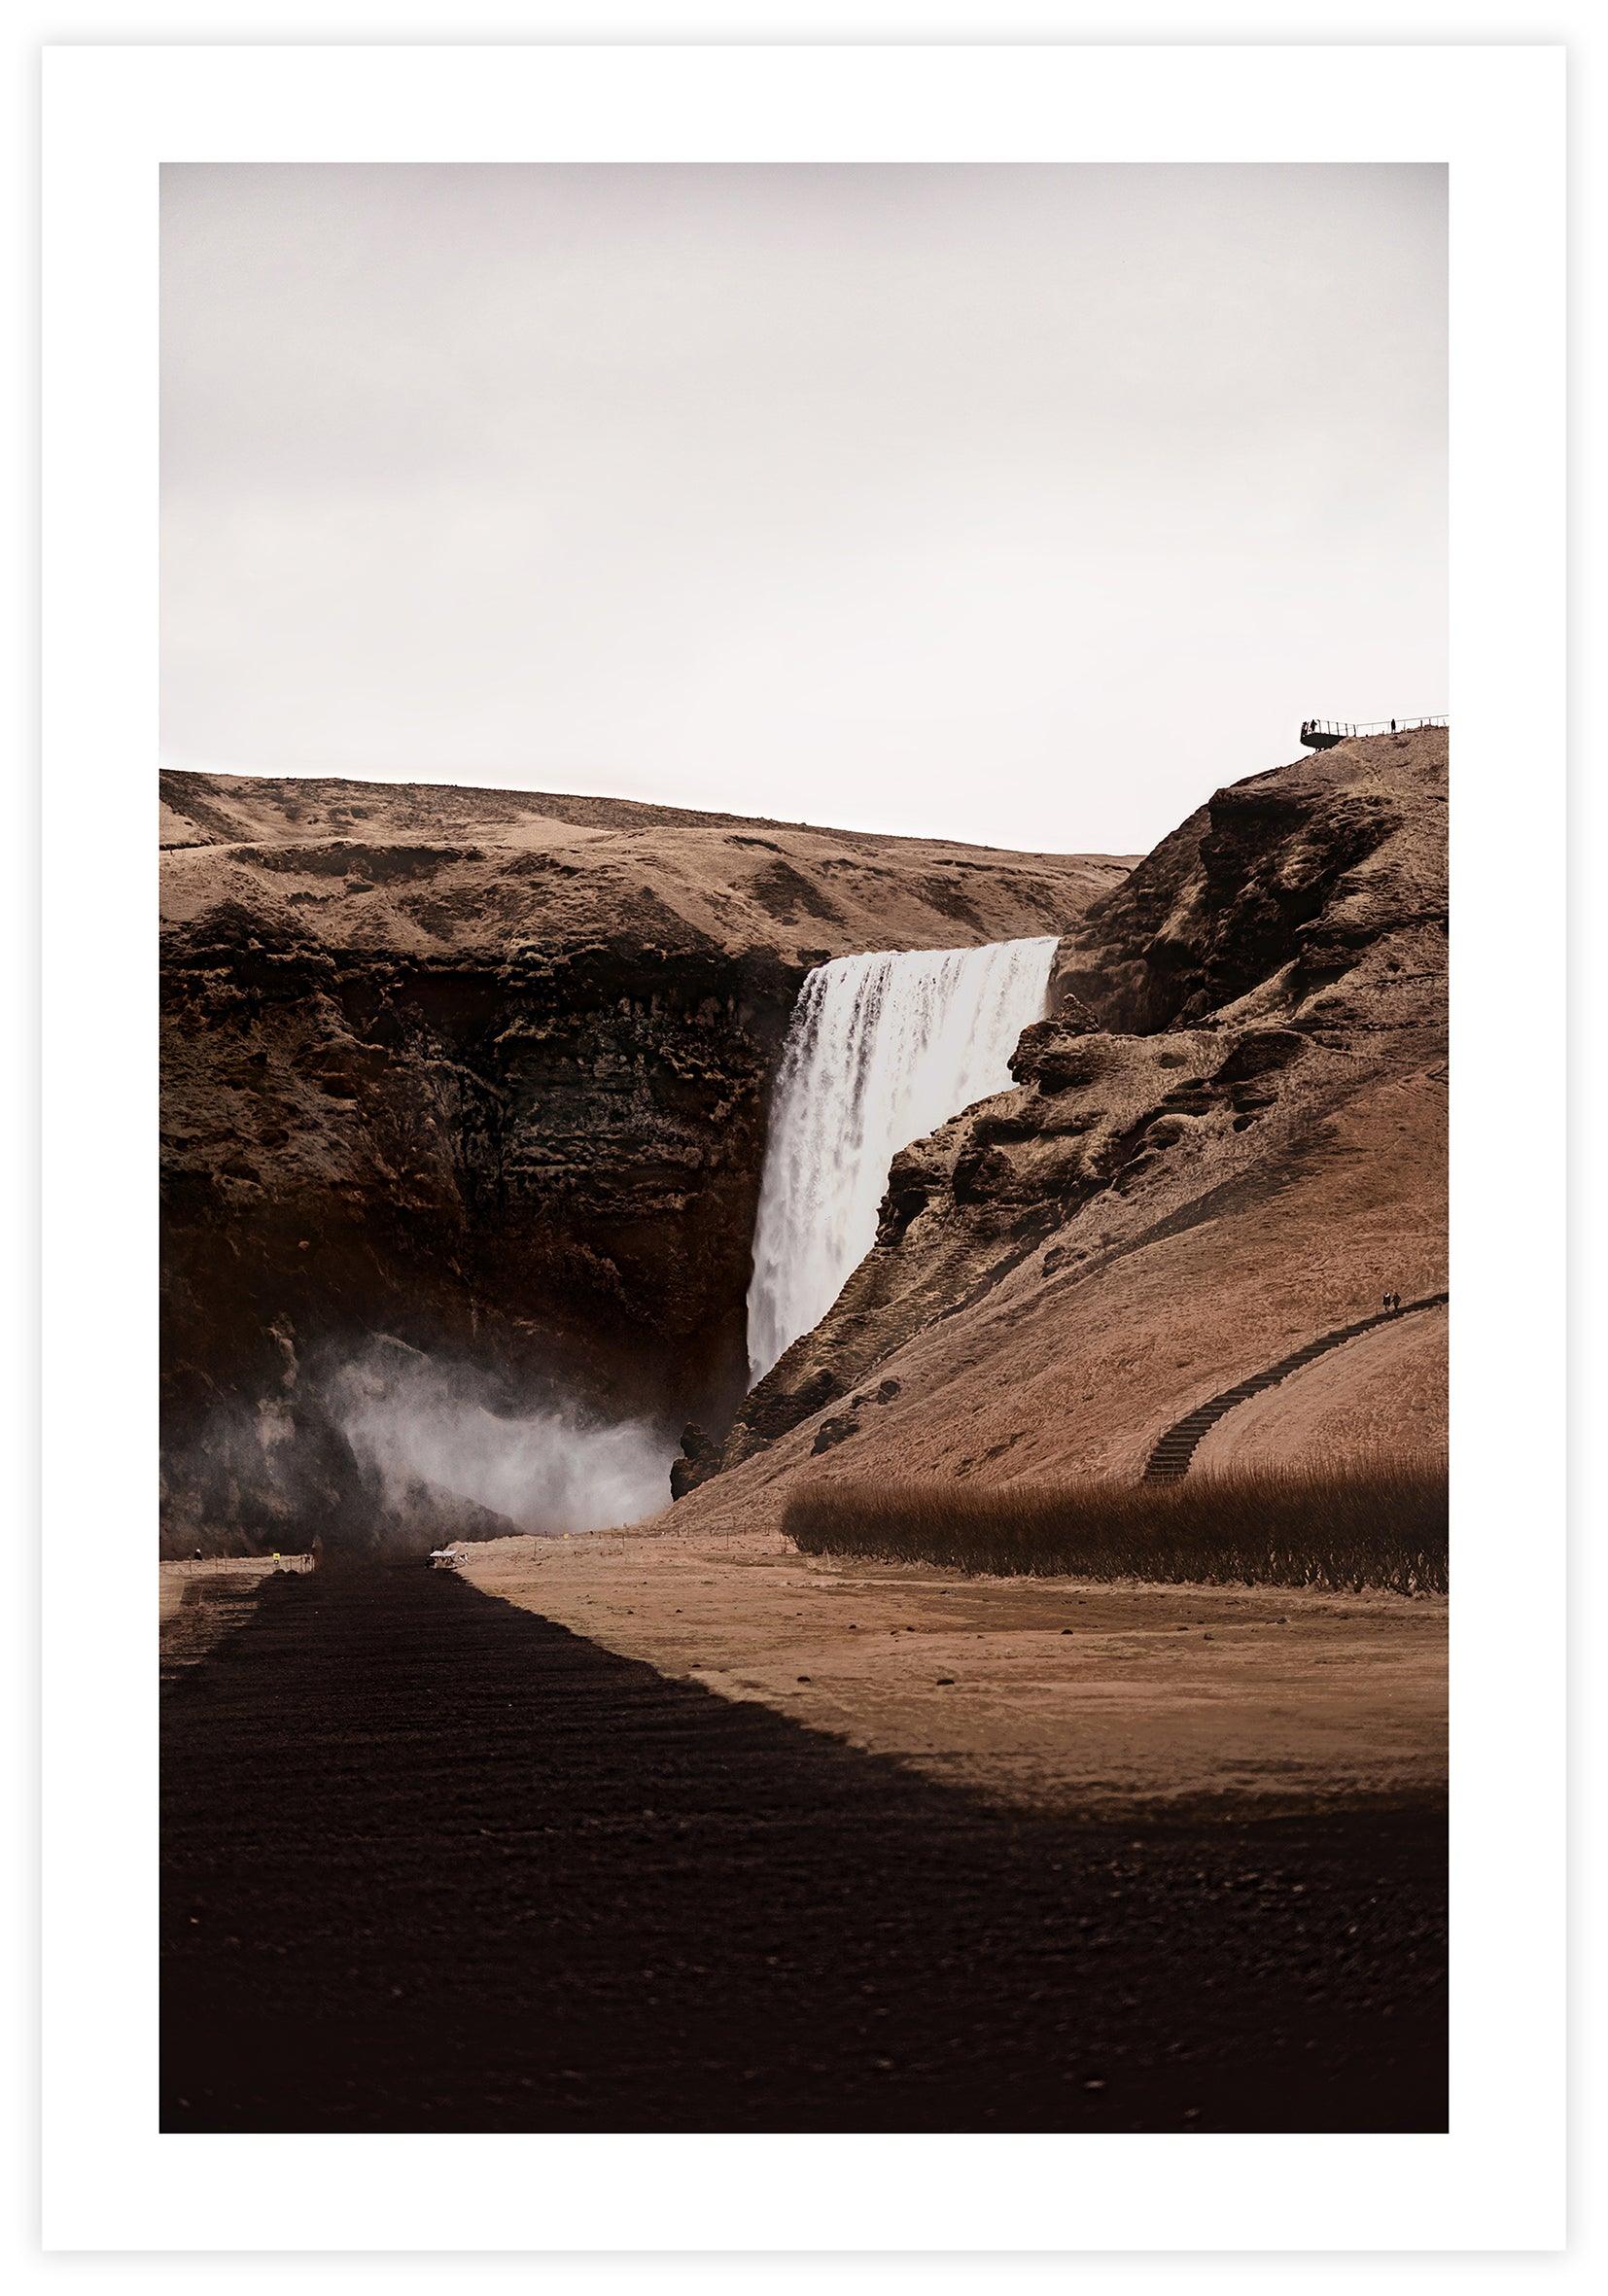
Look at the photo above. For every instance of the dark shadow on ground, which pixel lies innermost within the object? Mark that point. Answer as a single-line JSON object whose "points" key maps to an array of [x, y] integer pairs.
{"points": [[430, 1862]]}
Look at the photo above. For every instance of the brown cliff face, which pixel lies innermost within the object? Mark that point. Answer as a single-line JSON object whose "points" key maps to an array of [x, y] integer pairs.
{"points": [[485, 1072], [1272, 891], [1228, 1136]]}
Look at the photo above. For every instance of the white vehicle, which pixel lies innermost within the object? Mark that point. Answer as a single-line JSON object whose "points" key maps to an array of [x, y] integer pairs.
{"points": [[445, 1558]]}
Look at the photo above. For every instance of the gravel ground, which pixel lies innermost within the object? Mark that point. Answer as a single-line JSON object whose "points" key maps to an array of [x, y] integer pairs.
{"points": [[432, 1862]]}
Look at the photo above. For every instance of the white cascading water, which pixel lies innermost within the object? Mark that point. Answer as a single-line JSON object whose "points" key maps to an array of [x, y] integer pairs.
{"points": [[881, 1050]]}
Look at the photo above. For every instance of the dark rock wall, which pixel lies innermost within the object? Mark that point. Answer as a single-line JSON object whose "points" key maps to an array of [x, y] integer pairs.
{"points": [[554, 1163]]}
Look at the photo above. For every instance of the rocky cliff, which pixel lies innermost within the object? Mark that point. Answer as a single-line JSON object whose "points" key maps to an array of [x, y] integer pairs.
{"points": [[1229, 1137], [485, 1073]]}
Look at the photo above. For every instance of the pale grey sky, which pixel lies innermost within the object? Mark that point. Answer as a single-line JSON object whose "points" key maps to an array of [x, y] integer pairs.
{"points": [[1022, 505]]}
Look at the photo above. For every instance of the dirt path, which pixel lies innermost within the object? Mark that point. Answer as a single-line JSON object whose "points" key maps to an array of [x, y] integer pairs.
{"points": [[1176, 1445], [433, 1861], [1067, 1696], [199, 1602], [1348, 1403]]}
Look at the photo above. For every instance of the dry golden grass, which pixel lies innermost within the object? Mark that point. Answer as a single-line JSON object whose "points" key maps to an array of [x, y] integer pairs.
{"points": [[1383, 1524]]}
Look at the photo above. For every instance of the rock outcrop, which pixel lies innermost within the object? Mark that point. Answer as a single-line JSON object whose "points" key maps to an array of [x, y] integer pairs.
{"points": [[485, 1072], [1274, 893]]}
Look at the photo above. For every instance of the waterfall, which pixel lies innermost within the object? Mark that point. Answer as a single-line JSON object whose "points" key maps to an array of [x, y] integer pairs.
{"points": [[880, 1050]]}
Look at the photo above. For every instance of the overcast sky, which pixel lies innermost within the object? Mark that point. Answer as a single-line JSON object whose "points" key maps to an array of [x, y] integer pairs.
{"points": [[1022, 505]]}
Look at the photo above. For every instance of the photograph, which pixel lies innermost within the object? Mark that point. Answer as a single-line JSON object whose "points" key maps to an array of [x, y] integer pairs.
{"points": [[804, 1066]]}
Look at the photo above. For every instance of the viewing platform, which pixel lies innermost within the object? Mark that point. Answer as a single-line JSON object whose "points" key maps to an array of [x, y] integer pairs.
{"points": [[1326, 733]]}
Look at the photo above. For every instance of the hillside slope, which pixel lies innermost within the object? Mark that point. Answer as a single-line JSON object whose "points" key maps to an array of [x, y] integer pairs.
{"points": [[1229, 1138]]}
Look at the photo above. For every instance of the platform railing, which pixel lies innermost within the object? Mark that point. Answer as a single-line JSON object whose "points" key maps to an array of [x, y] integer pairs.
{"points": [[1334, 729]]}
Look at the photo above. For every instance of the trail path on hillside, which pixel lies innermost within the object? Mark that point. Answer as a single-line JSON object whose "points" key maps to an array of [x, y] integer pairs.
{"points": [[432, 1862], [1176, 1445]]}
